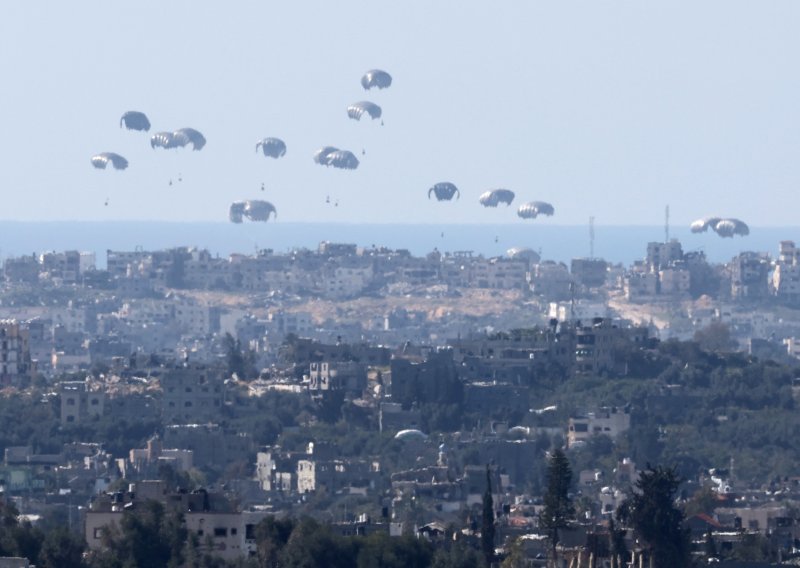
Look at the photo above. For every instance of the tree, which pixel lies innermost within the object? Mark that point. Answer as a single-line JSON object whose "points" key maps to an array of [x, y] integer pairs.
{"points": [[716, 336], [272, 534], [62, 549], [487, 521], [652, 514], [233, 357], [558, 509]]}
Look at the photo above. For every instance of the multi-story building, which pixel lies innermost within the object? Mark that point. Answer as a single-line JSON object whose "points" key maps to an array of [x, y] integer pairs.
{"points": [[80, 402], [192, 394], [610, 422], [15, 355], [662, 255], [786, 277], [221, 530], [750, 276], [589, 272]]}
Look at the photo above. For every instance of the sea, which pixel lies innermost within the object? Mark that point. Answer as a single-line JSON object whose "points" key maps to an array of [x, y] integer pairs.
{"points": [[561, 243]]}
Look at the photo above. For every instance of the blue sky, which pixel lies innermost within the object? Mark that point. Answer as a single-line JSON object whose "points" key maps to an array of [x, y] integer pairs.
{"points": [[611, 109]]}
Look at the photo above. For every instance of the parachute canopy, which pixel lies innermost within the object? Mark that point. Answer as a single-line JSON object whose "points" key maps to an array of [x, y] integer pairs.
{"points": [[321, 155], [376, 78], [525, 253], [253, 210], [272, 147], [410, 434], [135, 120], [702, 225], [357, 110], [496, 196], [178, 139], [236, 211], [101, 160], [533, 209], [731, 227], [331, 156], [444, 191], [726, 228]]}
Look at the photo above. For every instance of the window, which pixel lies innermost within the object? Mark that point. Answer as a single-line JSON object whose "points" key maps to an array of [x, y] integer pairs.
{"points": [[70, 402], [234, 531], [220, 531]]}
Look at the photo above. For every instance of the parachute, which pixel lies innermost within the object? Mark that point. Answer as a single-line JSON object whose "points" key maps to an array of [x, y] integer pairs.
{"points": [[178, 139], [533, 209], [702, 225], [163, 140], [321, 155], [236, 211], [254, 210], [357, 110], [331, 156], [725, 228], [444, 191], [259, 210], [100, 161], [376, 78], [496, 196], [272, 147], [731, 227], [191, 136], [135, 120], [522, 252]]}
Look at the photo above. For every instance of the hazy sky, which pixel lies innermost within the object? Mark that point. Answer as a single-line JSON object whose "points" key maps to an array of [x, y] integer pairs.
{"points": [[611, 109]]}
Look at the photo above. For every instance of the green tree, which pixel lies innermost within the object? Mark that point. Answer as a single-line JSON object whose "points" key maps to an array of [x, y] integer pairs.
{"points": [[234, 358], [61, 549], [272, 534], [652, 514], [558, 509], [487, 521], [379, 550], [146, 536]]}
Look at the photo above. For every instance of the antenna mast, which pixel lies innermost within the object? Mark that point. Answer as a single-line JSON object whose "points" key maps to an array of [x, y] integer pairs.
{"points": [[666, 224]]}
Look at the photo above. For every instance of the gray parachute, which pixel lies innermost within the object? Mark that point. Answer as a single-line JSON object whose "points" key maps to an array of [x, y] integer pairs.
{"points": [[357, 110], [444, 191], [135, 120], [321, 155], [496, 196], [236, 211], [101, 160], [731, 228], [332, 156], [726, 228], [271, 147], [376, 78], [178, 139], [524, 253], [702, 225], [533, 209], [254, 210]]}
